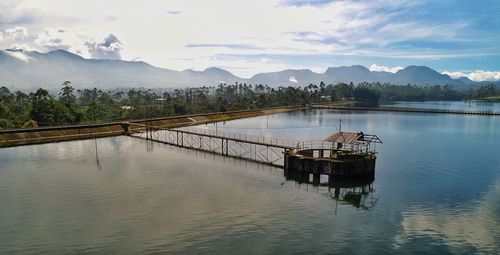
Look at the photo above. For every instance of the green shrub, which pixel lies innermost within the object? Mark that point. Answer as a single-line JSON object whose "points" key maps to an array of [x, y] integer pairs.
{"points": [[5, 123], [30, 124]]}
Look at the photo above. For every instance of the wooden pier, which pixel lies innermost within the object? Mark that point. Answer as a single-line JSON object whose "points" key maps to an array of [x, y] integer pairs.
{"points": [[343, 154], [260, 149]]}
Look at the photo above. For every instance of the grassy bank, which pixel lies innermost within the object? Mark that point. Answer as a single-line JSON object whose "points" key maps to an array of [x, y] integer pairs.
{"points": [[491, 99], [27, 136]]}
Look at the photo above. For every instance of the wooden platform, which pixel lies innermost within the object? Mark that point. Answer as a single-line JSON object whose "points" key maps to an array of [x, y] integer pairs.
{"points": [[328, 162]]}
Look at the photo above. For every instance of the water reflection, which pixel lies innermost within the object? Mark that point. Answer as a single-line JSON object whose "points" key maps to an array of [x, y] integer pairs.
{"points": [[451, 105], [358, 193], [149, 145], [466, 229], [98, 163], [438, 175]]}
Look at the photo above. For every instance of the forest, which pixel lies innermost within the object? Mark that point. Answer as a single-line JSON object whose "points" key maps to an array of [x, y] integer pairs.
{"points": [[84, 106]]}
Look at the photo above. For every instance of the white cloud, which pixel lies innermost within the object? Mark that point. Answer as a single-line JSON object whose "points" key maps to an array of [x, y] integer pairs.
{"points": [[174, 12], [16, 33], [395, 32], [455, 75], [54, 39], [1, 36], [59, 38], [21, 46], [340, 27], [19, 55], [476, 226], [478, 75], [377, 68], [108, 48], [354, 29], [292, 79]]}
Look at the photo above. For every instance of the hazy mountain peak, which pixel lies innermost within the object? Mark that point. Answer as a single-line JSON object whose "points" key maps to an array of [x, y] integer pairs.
{"points": [[18, 55], [353, 68], [216, 70], [417, 68], [354, 73], [64, 53], [465, 80], [420, 70], [303, 71], [23, 69], [359, 67], [15, 50], [423, 75]]}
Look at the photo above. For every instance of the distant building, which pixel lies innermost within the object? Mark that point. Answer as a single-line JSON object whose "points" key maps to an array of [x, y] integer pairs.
{"points": [[326, 98], [127, 107]]}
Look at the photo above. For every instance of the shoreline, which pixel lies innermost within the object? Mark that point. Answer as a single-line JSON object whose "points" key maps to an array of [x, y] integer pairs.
{"points": [[29, 136]]}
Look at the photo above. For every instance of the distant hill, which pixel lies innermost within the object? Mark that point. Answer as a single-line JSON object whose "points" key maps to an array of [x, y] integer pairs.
{"points": [[32, 69], [422, 75], [418, 75], [355, 74], [23, 69], [288, 77]]}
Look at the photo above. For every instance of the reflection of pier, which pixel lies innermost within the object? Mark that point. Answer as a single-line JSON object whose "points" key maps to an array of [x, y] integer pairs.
{"points": [[342, 154], [358, 193]]}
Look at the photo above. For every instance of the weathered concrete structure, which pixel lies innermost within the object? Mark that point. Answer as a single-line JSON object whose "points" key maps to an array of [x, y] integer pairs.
{"points": [[342, 154]]}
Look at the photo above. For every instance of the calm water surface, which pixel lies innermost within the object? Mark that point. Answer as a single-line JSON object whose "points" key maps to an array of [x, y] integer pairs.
{"points": [[452, 105], [436, 190]]}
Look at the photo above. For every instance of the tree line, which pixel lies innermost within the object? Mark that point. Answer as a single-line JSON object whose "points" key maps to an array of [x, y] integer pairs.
{"points": [[85, 106]]}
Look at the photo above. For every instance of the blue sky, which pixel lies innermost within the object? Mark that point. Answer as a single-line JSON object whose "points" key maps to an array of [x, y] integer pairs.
{"points": [[247, 37]]}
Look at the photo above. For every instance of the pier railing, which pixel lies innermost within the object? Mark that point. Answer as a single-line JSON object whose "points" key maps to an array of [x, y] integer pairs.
{"points": [[262, 149], [286, 143], [314, 145], [266, 150]]}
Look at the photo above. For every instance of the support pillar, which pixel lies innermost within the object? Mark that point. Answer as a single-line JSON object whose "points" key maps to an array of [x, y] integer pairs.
{"points": [[316, 179], [125, 127], [222, 145], [227, 148]]}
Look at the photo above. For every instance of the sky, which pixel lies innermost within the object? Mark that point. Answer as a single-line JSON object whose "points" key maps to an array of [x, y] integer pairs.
{"points": [[456, 37]]}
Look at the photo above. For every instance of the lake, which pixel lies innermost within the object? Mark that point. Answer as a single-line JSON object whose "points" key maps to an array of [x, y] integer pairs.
{"points": [[436, 190], [451, 105]]}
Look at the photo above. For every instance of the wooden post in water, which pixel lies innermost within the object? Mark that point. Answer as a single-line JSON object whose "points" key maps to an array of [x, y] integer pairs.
{"points": [[227, 148], [125, 127], [316, 179], [222, 145]]}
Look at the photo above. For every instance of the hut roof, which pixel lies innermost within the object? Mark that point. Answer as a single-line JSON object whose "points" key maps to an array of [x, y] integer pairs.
{"points": [[352, 138]]}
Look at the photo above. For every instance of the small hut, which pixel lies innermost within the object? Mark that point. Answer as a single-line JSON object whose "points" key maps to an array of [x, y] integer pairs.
{"points": [[348, 142], [350, 155]]}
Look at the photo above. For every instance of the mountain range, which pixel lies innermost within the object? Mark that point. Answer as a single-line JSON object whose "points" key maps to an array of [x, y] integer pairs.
{"points": [[31, 69]]}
